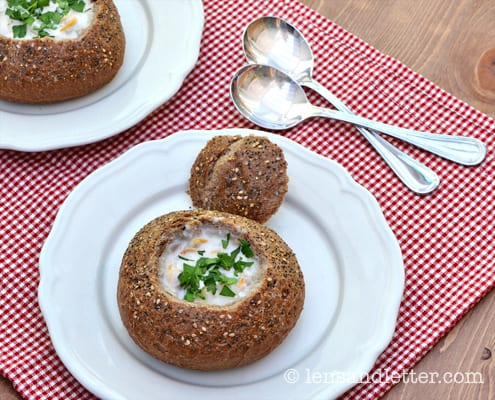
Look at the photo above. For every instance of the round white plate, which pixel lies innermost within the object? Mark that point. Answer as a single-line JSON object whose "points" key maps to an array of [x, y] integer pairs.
{"points": [[351, 262], [160, 51]]}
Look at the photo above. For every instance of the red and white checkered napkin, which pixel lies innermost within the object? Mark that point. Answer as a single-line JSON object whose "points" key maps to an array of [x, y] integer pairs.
{"points": [[446, 238]]}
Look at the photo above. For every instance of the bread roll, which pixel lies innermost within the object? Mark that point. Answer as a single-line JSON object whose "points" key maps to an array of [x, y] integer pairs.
{"points": [[243, 175]]}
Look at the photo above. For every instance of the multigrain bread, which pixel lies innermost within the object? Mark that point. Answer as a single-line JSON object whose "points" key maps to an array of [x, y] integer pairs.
{"points": [[202, 336], [243, 175], [45, 70]]}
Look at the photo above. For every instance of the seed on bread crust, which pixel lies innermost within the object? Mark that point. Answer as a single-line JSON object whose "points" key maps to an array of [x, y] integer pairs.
{"points": [[243, 175], [201, 336], [47, 71]]}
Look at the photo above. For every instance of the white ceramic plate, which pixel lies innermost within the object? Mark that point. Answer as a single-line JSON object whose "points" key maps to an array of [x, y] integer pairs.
{"points": [[351, 262], [160, 51]]}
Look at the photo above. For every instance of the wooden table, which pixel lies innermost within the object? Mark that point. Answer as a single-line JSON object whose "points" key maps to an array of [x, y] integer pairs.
{"points": [[452, 43]]}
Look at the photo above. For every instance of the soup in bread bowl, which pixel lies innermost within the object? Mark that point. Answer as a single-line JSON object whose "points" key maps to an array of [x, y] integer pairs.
{"points": [[209, 290], [56, 50]]}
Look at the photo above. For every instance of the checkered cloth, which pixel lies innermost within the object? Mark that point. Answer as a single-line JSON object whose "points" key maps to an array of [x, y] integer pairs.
{"points": [[446, 238]]}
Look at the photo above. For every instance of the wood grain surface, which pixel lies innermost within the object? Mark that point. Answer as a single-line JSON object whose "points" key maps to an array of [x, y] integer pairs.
{"points": [[452, 43]]}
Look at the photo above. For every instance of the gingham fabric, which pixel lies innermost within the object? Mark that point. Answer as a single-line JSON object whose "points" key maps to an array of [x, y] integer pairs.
{"points": [[446, 238]]}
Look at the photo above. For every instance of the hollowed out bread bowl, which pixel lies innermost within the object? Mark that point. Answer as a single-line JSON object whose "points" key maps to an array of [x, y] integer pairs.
{"points": [[48, 70], [243, 175], [200, 335]]}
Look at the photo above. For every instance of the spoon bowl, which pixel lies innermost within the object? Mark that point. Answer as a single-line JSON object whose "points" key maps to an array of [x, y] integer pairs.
{"points": [[268, 97], [273, 41]]}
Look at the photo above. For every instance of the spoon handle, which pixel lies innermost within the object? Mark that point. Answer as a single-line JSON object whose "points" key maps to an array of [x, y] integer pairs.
{"points": [[416, 176], [460, 149]]}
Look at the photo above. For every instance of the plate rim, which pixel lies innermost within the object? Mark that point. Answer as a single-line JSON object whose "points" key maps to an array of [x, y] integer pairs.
{"points": [[345, 179]]}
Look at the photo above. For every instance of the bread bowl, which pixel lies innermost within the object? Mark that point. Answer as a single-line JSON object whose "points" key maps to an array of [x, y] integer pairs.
{"points": [[83, 52], [204, 335], [244, 175]]}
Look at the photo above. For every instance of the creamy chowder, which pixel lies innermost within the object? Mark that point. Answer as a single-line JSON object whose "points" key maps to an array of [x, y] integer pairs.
{"points": [[58, 19], [209, 266]]}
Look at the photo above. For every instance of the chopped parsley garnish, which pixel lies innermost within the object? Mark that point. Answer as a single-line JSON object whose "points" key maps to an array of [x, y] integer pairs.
{"points": [[225, 242], [226, 291], [27, 12], [208, 271], [246, 248]]}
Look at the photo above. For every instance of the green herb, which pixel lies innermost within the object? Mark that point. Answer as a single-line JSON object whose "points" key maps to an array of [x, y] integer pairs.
{"points": [[29, 12], [240, 265], [225, 242], [77, 5], [206, 272], [226, 291], [214, 276], [19, 31], [246, 248]]}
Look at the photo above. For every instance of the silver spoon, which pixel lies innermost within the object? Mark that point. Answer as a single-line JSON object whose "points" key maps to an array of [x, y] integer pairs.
{"points": [[273, 41], [273, 100]]}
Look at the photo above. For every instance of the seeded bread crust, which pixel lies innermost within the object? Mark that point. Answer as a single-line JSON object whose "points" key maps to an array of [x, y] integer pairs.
{"points": [[47, 71], [209, 337], [243, 175]]}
